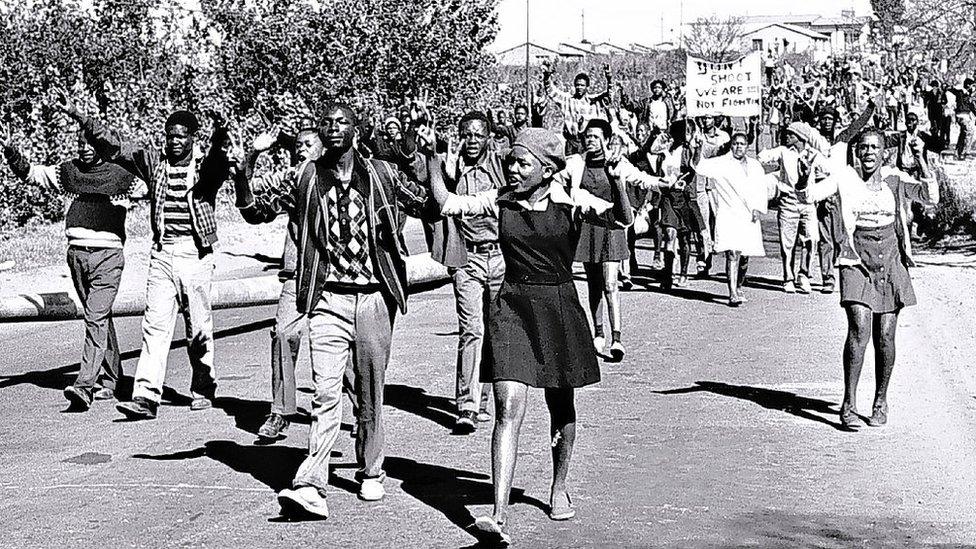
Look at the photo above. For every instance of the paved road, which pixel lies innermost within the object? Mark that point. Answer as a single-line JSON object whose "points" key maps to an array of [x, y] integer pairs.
{"points": [[718, 430]]}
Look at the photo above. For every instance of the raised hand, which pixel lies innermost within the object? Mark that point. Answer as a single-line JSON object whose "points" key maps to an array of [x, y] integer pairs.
{"points": [[426, 139], [265, 140], [64, 103], [6, 136]]}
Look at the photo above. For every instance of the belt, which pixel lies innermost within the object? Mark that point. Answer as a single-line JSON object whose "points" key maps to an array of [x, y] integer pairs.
{"points": [[482, 248], [351, 289], [91, 248], [540, 279]]}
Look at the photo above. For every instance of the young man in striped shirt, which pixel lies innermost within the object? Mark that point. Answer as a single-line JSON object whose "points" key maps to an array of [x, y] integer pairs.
{"points": [[578, 107], [182, 188]]}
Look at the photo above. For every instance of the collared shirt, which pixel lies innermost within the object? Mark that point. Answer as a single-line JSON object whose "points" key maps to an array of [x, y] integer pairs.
{"points": [[349, 260], [477, 229], [789, 168]]}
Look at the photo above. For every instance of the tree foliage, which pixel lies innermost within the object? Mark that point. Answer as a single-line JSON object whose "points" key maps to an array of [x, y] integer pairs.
{"points": [[715, 39], [131, 62]]}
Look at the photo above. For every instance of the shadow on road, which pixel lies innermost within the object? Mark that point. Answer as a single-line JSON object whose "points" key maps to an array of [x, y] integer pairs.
{"points": [[449, 491], [785, 401], [651, 285], [63, 376], [416, 401], [273, 466]]}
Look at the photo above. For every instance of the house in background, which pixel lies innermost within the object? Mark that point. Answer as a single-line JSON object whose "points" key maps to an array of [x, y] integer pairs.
{"points": [[786, 38], [846, 33], [537, 54]]}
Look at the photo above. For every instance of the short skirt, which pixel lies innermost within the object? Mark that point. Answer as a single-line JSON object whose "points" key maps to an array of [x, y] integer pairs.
{"points": [[599, 244], [538, 335], [881, 282]]}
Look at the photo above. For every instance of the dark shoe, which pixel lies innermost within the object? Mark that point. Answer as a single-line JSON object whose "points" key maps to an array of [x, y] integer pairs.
{"points": [[617, 351], [201, 404], [80, 399], [828, 287], [849, 418], [465, 422], [139, 408], [103, 393], [626, 284], [274, 428], [879, 416]]}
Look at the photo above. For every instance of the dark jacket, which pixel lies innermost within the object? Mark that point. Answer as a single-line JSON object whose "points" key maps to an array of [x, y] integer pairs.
{"points": [[212, 170], [389, 193]]}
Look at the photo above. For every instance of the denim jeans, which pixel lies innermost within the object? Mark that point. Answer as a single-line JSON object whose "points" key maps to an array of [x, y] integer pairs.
{"points": [[340, 325], [475, 286], [96, 273], [180, 277]]}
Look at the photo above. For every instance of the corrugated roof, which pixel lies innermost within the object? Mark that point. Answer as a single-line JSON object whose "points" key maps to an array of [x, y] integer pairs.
{"points": [[793, 28]]}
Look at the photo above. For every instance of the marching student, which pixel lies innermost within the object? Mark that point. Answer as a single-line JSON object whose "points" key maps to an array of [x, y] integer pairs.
{"points": [[875, 256], [182, 189], [95, 229]]}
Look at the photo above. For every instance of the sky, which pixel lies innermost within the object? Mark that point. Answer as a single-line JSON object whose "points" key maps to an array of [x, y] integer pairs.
{"points": [[626, 21]]}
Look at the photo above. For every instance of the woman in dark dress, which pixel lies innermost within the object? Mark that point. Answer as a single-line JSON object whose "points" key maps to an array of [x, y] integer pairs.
{"points": [[680, 219], [537, 331]]}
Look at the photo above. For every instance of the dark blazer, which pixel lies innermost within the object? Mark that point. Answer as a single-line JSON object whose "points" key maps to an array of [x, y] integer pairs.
{"points": [[389, 193]]}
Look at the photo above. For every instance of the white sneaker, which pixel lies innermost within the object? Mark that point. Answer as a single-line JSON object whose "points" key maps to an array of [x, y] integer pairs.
{"points": [[789, 287], [304, 500], [599, 343], [804, 284], [371, 489]]}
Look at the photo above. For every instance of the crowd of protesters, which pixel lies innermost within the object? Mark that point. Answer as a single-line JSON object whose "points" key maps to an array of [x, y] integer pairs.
{"points": [[841, 151]]}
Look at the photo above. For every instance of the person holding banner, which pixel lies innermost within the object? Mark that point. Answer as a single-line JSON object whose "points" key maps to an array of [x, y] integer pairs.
{"points": [[739, 184], [709, 142]]}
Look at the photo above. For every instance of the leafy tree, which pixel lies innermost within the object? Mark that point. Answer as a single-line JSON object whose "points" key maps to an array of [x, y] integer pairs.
{"points": [[715, 39]]}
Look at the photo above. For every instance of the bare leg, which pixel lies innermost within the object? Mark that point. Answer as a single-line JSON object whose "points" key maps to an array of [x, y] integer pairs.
{"points": [[743, 269], [611, 293], [732, 272], [562, 430], [594, 294], [884, 354], [510, 400], [859, 319]]}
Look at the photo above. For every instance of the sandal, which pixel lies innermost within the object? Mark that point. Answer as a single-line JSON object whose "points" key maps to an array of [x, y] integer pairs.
{"points": [[564, 511], [489, 532]]}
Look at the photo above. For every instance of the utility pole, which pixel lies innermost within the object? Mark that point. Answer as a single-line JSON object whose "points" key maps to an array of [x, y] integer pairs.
{"points": [[528, 83]]}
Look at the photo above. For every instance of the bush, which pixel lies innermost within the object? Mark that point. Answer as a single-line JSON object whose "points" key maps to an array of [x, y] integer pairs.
{"points": [[133, 62]]}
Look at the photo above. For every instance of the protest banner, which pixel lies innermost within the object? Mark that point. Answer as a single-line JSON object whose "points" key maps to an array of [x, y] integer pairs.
{"points": [[732, 88]]}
